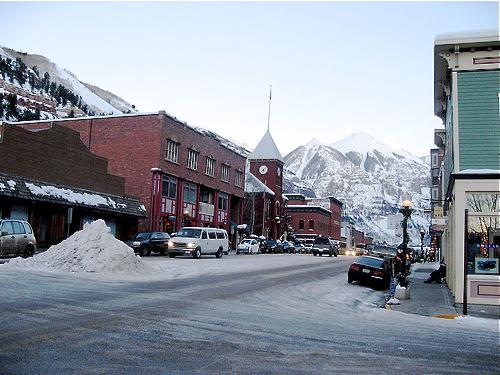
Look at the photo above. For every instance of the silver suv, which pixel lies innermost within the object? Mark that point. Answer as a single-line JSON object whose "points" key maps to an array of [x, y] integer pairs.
{"points": [[16, 238]]}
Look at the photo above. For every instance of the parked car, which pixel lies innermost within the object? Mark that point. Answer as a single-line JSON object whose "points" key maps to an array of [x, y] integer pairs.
{"points": [[271, 246], [324, 246], [287, 247], [299, 248], [144, 243], [248, 246], [198, 241], [16, 238], [370, 270]]}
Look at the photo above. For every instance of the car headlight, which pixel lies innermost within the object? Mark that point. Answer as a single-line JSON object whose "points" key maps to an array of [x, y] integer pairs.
{"points": [[170, 244], [136, 243], [191, 245]]}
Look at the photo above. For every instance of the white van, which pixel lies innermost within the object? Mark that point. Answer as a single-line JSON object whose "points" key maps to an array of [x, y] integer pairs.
{"points": [[197, 241]]}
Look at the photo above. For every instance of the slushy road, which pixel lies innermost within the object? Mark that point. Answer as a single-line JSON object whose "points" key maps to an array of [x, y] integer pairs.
{"points": [[290, 319]]}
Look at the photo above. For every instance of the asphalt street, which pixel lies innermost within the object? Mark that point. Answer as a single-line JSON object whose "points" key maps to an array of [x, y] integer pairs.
{"points": [[300, 319]]}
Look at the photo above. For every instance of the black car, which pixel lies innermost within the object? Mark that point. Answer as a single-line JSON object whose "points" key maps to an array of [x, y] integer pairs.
{"points": [[271, 246], [323, 245], [144, 243], [370, 270]]}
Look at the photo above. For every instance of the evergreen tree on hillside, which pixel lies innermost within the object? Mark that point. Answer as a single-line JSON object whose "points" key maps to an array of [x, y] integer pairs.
{"points": [[46, 82], [12, 105], [1, 105], [20, 71]]}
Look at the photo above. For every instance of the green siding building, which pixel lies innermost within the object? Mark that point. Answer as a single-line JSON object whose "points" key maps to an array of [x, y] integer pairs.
{"points": [[466, 98]]}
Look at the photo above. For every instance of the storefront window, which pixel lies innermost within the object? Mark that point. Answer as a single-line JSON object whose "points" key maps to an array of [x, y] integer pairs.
{"points": [[483, 202], [483, 244]]}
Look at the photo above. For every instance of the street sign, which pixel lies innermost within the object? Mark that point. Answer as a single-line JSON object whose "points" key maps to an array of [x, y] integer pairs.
{"points": [[392, 288]]}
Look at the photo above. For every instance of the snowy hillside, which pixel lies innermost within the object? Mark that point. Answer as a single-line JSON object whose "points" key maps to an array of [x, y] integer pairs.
{"points": [[368, 176], [40, 79]]}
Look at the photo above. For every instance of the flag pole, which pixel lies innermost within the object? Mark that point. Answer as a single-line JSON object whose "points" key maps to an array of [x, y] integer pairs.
{"points": [[269, 112]]}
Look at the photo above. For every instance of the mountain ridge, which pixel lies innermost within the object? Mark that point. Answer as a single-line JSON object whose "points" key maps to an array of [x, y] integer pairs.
{"points": [[371, 182]]}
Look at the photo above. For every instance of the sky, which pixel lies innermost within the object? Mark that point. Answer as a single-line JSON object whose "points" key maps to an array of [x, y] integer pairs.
{"points": [[335, 67]]}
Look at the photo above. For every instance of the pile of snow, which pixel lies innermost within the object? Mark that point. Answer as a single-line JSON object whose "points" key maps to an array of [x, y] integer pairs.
{"points": [[93, 249]]}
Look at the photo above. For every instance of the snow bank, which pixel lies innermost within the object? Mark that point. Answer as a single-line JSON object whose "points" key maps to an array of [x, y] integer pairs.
{"points": [[93, 249]]}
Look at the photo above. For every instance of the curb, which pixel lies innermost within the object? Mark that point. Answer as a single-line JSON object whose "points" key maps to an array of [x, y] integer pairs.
{"points": [[446, 316]]}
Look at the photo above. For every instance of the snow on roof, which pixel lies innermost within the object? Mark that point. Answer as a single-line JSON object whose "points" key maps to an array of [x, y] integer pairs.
{"points": [[23, 188], [266, 149], [479, 171], [254, 185], [91, 250], [473, 36]]}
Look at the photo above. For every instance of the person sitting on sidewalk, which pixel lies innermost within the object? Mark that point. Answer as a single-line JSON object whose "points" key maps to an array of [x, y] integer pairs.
{"points": [[437, 275]]}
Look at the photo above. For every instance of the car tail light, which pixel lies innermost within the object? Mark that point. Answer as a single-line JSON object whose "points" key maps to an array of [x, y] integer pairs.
{"points": [[354, 267], [378, 273]]}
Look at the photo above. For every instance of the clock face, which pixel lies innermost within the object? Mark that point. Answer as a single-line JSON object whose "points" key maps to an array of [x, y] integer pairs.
{"points": [[262, 169]]}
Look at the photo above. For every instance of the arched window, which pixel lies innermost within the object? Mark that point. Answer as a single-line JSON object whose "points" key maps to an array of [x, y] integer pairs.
{"points": [[301, 224], [311, 224]]}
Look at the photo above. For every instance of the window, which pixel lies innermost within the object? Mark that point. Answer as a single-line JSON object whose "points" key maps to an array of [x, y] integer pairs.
{"points": [[301, 224], [223, 201], [210, 166], [189, 193], [435, 194], [224, 172], [220, 235], [212, 235], [204, 235], [7, 227], [193, 159], [18, 227], [435, 160], [169, 187], [172, 151], [238, 178], [311, 224]]}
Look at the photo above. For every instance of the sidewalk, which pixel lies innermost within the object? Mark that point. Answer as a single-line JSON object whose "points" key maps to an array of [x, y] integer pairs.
{"points": [[436, 299]]}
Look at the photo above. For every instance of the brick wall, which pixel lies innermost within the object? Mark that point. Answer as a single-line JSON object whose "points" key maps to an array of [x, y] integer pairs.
{"points": [[56, 155], [133, 144], [318, 217]]}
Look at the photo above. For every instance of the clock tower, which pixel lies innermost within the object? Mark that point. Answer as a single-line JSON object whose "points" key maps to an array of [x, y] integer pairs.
{"points": [[266, 164]]}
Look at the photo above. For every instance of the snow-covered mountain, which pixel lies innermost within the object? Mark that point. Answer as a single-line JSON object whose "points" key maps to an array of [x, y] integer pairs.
{"points": [[367, 175], [36, 86]]}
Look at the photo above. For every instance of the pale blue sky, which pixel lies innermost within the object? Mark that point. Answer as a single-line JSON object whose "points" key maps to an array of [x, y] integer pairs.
{"points": [[336, 67]]}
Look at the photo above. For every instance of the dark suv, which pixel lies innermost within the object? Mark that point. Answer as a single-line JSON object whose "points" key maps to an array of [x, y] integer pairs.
{"points": [[323, 245], [146, 242], [16, 238]]}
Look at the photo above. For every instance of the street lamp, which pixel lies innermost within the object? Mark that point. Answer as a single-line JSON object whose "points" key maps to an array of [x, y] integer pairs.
{"points": [[422, 234], [406, 212]]}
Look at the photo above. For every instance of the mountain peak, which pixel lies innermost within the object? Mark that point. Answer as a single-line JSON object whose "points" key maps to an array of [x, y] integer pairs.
{"points": [[361, 142], [313, 142]]}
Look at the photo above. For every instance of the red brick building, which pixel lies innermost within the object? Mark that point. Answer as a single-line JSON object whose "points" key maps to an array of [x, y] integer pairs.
{"points": [[313, 217], [183, 175], [265, 199], [52, 180]]}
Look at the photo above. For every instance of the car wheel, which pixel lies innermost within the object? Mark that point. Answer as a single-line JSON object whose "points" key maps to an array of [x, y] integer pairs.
{"points": [[330, 255], [171, 255], [28, 252], [336, 254], [147, 251], [197, 253], [349, 280], [315, 254], [218, 254], [142, 251], [162, 252]]}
